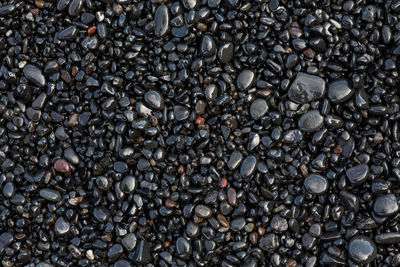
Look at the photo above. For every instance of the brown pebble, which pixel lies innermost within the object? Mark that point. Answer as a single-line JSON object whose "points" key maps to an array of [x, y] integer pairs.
{"points": [[35, 11], [75, 201], [39, 3], [170, 203], [166, 244], [66, 76], [232, 196], [223, 221], [261, 230], [291, 263], [181, 169], [253, 238], [73, 121], [62, 166]]}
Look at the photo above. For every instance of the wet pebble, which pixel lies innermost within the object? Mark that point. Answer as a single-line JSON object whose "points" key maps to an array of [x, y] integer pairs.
{"points": [[306, 88], [362, 249], [316, 184]]}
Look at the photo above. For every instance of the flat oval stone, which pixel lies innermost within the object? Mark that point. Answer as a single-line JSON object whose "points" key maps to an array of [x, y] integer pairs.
{"points": [[234, 160], [68, 33], [62, 4], [61, 226], [306, 88], [362, 249], [7, 9], [161, 21], [75, 7], [237, 224], [129, 241], [258, 108], [203, 211], [386, 205], [340, 91], [388, 238], [128, 184], [154, 99], [225, 53], [245, 79], [183, 248], [207, 46], [50, 194], [316, 184], [63, 166], [34, 75], [248, 166], [181, 113], [358, 174], [311, 121]]}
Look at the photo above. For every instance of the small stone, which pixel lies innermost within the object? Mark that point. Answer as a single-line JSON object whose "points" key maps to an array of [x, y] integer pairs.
{"points": [[357, 175], [129, 241], [279, 224], [142, 253], [75, 7], [61, 227], [362, 249], [316, 184], [34, 75], [258, 108], [50, 194], [306, 88], [311, 121], [161, 21], [386, 205], [5, 240], [203, 211], [248, 166], [181, 113], [154, 99], [128, 184], [245, 79], [340, 91], [225, 53], [269, 243], [237, 224], [234, 160]]}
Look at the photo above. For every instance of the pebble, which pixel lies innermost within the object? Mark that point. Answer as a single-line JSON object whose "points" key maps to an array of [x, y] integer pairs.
{"points": [[154, 99], [311, 121], [316, 184], [245, 79], [357, 175], [61, 227], [161, 21], [269, 243], [306, 88], [362, 249], [248, 166], [386, 205], [62, 166], [50, 194], [258, 108], [5, 240], [340, 91], [203, 211], [128, 184], [34, 75], [75, 7], [387, 238]]}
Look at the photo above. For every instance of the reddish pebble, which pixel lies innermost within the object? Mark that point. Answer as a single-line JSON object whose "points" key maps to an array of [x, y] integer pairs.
{"points": [[200, 120], [223, 182], [61, 165], [92, 30], [338, 149], [181, 169], [75, 201]]}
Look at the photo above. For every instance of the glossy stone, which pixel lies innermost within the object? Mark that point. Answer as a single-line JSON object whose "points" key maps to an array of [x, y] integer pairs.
{"points": [[386, 205], [316, 184], [311, 121], [358, 174], [306, 88], [245, 79], [34, 75], [161, 21], [340, 91], [258, 108], [362, 249]]}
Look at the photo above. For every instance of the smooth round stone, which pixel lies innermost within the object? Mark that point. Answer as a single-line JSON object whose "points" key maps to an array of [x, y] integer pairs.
{"points": [[183, 248], [75, 7], [34, 75], [316, 184], [154, 99], [61, 226], [340, 91], [51, 67], [60, 133], [386, 205], [6, 9], [269, 242], [203, 211], [62, 166], [237, 224], [39, 101], [225, 53], [115, 251], [68, 33], [161, 21], [8, 190], [362, 249], [306, 88], [258, 108], [207, 46], [50, 194], [245, 79], [128, 184], [211, 92], [71, 156], [101, 214], [234, 160], [181, 113], [311, 121], [129, 241], [279, 224], [248, 166], [192, 229], [362, 100], [358, 174]]}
